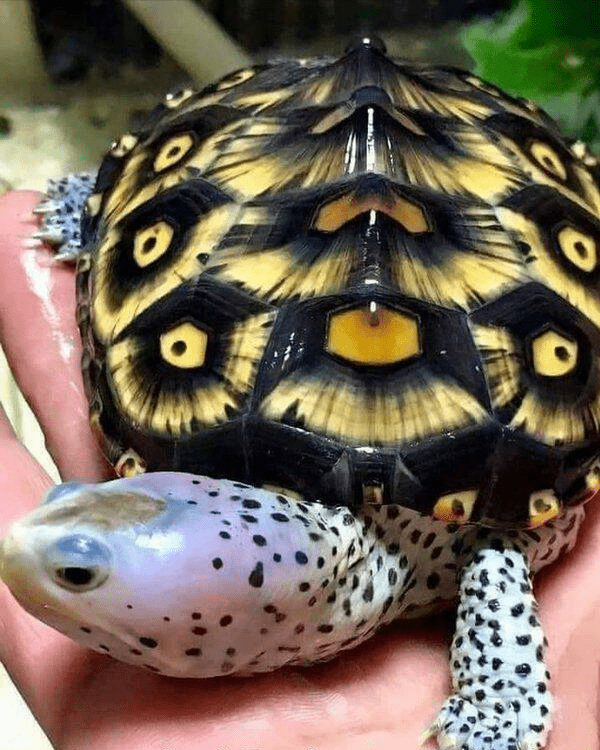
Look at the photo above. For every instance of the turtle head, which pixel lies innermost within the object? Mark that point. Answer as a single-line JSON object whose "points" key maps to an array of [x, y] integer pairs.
{"points": [[177, 572], [76, 561]]}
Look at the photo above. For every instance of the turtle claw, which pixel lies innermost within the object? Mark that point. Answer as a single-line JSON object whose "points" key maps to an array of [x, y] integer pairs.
{"points": [[462, 725], [69, 252], [49, 235], [46, 206], [445, 740]]}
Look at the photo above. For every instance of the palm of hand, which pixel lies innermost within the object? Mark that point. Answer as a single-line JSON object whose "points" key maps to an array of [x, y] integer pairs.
{"points": [[381, 695]]}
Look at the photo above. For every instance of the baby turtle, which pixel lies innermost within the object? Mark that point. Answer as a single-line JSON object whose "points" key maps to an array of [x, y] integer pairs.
{"points": [[361, 294]]}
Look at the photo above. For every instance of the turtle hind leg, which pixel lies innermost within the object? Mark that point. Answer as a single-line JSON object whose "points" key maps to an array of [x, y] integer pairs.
{"points": [[501, 699], [61, 211]]}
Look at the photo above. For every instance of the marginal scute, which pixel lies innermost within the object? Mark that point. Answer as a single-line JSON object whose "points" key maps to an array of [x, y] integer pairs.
{"points": [[592, 477], [234, 79], [455, 507], [130, 464], [543, 507], [554, 355], [579, 149], [372, 494], [124, 145], [176, 98], [482, 85], [93, 204], [184, 346]]}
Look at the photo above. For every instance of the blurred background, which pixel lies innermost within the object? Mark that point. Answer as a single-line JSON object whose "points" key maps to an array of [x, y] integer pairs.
{"points": [[75, 74]]}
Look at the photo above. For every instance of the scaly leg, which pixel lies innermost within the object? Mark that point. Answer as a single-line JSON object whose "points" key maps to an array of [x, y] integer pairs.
{"points": [[61, 212], [501, 699]]}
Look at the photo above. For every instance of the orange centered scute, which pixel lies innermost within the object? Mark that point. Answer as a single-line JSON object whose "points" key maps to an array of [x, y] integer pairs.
{"points": [[333, 215], [373, 335]]}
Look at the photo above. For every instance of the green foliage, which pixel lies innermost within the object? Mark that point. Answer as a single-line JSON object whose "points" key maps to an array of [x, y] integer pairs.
{"points": [[548, 51]]}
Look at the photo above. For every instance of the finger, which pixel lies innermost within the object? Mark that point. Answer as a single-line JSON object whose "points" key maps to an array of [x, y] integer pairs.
{"points": [[22, 480], [24, 642], [39, 333], [569, 601]]}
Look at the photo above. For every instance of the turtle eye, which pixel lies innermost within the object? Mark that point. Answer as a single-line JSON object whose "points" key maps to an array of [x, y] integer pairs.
{"points": [[578, 247], [548, 159], [184, 346], [173, 151], [152, 242], [554, 355], [76, 578], [78, 562]]}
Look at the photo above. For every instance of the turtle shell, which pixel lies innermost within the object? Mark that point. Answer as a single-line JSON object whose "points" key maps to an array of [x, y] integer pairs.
{"points": [[357, 278]]}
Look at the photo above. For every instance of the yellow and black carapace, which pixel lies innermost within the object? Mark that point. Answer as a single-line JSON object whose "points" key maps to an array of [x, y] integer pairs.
{"points": [[357, 278]]}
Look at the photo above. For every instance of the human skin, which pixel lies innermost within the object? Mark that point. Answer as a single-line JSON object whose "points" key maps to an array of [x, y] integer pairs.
{"points": [[380, 695]]}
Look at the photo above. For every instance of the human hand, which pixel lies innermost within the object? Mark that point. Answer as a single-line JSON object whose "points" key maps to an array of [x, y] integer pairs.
{"points": [[381, 694]]}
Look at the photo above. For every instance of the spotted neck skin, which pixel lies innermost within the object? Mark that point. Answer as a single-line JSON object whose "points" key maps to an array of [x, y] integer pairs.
{"points": [[195, 577]]}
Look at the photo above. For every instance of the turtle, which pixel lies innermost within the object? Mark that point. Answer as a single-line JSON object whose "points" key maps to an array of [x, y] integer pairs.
{"points": [[341, 332]]}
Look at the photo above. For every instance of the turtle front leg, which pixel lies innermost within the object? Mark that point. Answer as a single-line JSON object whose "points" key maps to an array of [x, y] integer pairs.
{"points": [[61, 212], [501, 699]]}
